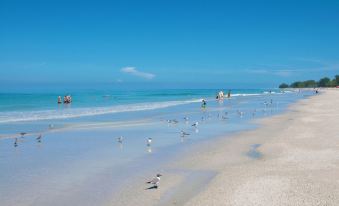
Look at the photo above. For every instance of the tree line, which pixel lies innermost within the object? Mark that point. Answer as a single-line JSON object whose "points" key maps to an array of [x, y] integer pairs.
{"points": [[323, 82]]}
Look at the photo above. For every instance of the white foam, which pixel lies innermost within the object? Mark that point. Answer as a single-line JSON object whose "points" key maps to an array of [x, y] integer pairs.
{"points": [[90, 111]]}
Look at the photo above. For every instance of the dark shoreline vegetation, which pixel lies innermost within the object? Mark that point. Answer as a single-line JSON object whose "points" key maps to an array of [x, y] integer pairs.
{"points": [[323, 82]]}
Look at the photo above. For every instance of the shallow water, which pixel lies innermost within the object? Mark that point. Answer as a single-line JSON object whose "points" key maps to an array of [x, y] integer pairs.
{"points": [[77, 153]]}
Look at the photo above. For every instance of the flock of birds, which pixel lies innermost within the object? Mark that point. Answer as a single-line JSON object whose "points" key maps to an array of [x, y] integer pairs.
{"points": [[156, 180], [22, 136], [223, 116]]}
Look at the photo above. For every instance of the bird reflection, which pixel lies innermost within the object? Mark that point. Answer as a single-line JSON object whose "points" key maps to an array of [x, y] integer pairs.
{"points": [[16, 142], [149, 148], [120, 141]]}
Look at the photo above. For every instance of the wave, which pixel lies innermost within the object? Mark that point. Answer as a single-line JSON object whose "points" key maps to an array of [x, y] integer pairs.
{"points": [[6, 117]]}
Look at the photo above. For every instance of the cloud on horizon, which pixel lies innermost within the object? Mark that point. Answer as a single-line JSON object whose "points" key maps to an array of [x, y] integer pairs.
{"points": [[135, 72]]}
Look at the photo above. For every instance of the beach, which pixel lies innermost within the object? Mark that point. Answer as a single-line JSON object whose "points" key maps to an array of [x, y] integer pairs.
{"points": [[297, 163], [256, 148]]}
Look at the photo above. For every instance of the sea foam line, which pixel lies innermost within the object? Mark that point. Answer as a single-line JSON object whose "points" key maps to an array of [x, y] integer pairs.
{"points": [[6, 117]]}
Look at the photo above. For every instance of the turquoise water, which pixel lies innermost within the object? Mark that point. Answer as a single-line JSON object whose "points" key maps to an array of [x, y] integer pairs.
{"points": [[16, 107], [80, 149]]}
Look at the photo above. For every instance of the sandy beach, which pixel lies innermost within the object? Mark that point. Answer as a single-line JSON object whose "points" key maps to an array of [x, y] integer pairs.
{"points": [[291, 159]]}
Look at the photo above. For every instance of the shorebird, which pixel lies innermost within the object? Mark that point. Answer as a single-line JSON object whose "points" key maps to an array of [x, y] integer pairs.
{"points": [[183, 133], [195, 124], [173, 121], [39, 138], [149, 141], [186, 118], [240, 113], [120, 139], [155, 182], [22, 134]]}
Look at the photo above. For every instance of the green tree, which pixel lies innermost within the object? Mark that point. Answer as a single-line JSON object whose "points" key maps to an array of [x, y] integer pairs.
{"points": [[310, 83], [283, 86], [324, 82], [297, 84], [336, 78]]}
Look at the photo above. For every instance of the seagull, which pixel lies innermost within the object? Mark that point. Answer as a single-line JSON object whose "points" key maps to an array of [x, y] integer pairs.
{"points": [[240, 113], [174, 121], [120, 139], [149, 141], [39, 138], [22, 134], [195, 124], [155, 182], [183, 133], [186, 119]]}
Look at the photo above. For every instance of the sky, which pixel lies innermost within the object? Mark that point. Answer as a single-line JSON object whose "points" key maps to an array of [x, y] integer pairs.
{"points": [[175, 44]]}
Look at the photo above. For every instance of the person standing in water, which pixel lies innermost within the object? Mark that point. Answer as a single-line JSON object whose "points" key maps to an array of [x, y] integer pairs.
{"points": [[203, 105], [229, 94], [59, 100]]}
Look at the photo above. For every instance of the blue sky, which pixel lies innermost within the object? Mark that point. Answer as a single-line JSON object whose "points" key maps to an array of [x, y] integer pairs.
{"points": [[167, 43]]}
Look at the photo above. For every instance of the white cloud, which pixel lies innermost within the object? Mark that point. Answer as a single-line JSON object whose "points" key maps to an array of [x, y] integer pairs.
{"points": [[135, 72]]}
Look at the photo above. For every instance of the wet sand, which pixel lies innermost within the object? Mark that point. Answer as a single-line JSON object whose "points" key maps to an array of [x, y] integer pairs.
{"points": [[291, 159]]}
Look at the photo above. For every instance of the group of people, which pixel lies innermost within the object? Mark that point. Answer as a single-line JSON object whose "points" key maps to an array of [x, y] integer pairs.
{"points": [[67, 99], [221, 95]]}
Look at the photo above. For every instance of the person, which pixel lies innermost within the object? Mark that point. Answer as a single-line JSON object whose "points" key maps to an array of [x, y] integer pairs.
{"points": [[229, 94], [65, 99], [69, 98], [59, 100], [221, 94], [203, 105]]}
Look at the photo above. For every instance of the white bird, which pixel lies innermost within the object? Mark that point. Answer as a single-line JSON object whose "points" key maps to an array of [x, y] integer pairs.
{"points": [[155, 182], [195, 124], [149, 141], [186, 119]]}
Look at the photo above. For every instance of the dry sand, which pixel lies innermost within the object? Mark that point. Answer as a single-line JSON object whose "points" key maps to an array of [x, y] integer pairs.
{"points": [[299, 164]]}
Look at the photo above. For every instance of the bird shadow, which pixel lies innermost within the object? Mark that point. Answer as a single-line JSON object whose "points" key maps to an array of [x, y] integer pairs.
{"points": [[151, 188]]}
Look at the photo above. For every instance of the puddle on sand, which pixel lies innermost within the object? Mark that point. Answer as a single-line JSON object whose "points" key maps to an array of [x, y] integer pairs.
{"points": [[253, 152]]}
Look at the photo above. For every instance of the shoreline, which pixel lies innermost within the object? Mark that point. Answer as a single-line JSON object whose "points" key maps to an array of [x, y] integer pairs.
{"points": [[287, 172]]}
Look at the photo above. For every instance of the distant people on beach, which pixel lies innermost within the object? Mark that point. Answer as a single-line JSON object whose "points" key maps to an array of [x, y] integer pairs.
{"points": [[220, 95], [67, 99], [229, 94], [59, 100], [203, 104]]}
